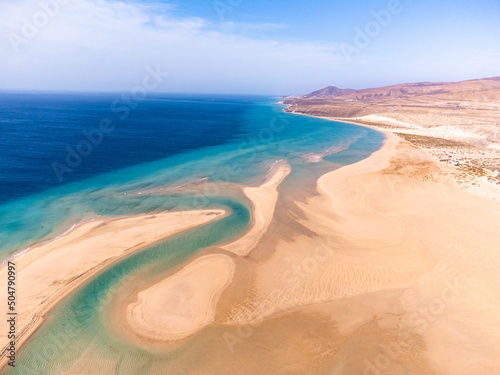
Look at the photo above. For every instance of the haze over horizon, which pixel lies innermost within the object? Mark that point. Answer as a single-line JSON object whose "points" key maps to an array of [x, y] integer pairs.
{"points": [[243, 47]]}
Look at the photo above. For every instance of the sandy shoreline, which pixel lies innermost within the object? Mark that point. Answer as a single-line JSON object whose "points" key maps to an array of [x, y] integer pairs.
{"points": [[185, 302], [471, 172], [391, 253], [50, 271], [394, 254], [402, 253], [203, 278], [263, 198]]}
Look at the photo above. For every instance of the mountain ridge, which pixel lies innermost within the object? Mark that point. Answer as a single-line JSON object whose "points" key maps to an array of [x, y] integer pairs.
{"points": [[408, 89]]}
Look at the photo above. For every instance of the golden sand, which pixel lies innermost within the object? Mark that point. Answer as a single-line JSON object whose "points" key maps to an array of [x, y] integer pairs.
{"points": [[183, 303], [403, 256], [263, 198], [48, 272], [392, 268], [394, 271]]}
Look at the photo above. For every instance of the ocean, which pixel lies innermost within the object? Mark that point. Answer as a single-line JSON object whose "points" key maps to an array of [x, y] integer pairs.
{"points": [[66, 158]]}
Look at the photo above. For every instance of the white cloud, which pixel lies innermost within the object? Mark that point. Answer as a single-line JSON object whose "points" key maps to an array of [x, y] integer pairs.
{"points": [[106, 45]]}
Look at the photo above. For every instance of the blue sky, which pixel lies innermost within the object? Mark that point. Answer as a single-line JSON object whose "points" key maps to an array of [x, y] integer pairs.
{"points": [[248, 46]]}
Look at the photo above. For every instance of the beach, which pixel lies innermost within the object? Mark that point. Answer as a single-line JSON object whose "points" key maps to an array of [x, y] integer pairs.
{"points": [[394, 260], [389, 261], [245, 188], [50, 271], [404, 255], [85, 271], [184, 303], [456, 121]]}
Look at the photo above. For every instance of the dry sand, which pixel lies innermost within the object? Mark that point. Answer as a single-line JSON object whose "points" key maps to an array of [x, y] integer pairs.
{"points": [[458, 121], [49, 271], [183, 303]]}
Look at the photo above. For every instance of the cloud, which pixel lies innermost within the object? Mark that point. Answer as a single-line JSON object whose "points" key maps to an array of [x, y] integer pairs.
{"points": [[106, 45]]}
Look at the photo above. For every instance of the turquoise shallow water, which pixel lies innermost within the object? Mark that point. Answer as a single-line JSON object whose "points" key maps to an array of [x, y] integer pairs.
{"points": [[256, 134], [76, 324]]}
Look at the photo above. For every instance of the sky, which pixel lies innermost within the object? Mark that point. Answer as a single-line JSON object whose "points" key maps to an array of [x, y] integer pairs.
{"points": [[274, 47]]}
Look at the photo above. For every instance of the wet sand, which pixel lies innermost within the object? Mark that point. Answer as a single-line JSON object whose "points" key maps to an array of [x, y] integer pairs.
{"points": [[392, 268], [395, 271], [49, 271], [403, 264], [184, 303], [263, 198]]}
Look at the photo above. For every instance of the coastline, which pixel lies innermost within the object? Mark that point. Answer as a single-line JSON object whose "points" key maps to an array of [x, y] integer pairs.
{"points": [[147, 230], [393, 231], [479, 183], [52, 270], [182, 304], [396, 235], [194, 290]]}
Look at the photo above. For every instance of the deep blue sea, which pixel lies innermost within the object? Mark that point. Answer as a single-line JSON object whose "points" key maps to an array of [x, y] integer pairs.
{"points": [[37, 130]]}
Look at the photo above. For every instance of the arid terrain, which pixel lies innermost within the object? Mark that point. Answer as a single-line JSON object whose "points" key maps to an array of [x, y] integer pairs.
{"points": [[459, 122]]}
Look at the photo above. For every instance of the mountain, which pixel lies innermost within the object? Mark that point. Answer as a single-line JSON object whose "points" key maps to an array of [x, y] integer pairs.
{"points": [[467, 111], [477, 89], [328, 91]]}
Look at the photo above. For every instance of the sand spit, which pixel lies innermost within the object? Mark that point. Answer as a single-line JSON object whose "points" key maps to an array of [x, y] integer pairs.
{"points": [[264, 198], [183, 303], [391, 269], [401, 263], [48, 272]]}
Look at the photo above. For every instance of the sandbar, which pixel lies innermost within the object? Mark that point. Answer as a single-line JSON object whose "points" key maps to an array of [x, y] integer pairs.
{"points": [[263, 198], [183, 303], [49, 271]]}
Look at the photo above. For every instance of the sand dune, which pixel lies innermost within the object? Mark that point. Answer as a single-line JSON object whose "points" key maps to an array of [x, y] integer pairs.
{"points": [[49, 271]]}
